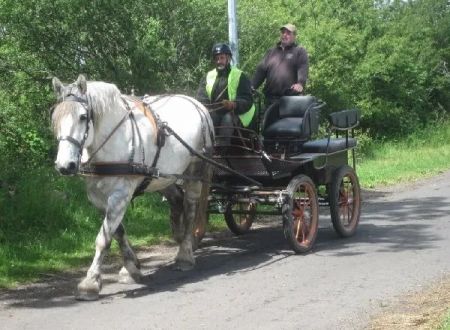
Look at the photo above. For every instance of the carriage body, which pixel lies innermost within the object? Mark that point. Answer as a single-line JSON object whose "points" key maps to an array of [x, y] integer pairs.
{"points": [[291, 172]]}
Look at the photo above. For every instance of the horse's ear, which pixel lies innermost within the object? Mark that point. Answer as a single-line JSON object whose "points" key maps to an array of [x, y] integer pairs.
{"points": [[57, 86], [81, 84]]}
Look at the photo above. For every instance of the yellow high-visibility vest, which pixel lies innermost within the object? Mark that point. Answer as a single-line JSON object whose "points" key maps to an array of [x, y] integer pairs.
{"points": [[233, 82]]}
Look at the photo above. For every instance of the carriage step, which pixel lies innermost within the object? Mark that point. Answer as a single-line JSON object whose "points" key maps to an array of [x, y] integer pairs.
{"points": [[323, 201], [234, 189]]}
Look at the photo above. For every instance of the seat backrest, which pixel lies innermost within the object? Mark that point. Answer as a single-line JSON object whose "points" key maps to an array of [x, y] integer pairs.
{"points": [[295, 106], [296, 117], [344, 120], [301, 106], [270, 115]]}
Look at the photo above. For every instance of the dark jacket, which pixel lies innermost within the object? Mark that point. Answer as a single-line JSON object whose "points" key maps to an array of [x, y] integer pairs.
{"points": [[281, 68]]}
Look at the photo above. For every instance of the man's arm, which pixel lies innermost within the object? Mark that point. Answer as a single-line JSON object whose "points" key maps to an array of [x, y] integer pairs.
{"points": [[260, 73], [202, 96], [302, 66]]}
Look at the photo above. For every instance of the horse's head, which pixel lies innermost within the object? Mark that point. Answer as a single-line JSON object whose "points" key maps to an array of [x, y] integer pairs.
{"points": [[72, 124]]}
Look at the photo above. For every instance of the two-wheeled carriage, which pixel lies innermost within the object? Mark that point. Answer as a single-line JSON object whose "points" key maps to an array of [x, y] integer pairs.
{"points": [[286, 171]]}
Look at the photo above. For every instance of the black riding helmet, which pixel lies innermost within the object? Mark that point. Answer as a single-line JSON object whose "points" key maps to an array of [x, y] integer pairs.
{"points": [[221, 48]]}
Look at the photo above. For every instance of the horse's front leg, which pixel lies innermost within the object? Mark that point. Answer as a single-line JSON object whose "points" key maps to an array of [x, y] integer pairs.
{"points": [[89, 288], [130, 272]]}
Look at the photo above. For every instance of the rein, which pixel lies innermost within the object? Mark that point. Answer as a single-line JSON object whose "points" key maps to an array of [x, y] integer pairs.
{"points": [[108, 137], [150, 172], [140, 169]]}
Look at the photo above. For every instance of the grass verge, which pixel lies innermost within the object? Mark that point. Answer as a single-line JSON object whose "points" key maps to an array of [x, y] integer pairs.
{"points": [[48, 225], [446, 324], [424, 153]]}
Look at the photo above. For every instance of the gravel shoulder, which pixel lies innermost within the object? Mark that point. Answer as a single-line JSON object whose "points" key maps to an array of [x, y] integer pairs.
{"points": [[422, 309]]}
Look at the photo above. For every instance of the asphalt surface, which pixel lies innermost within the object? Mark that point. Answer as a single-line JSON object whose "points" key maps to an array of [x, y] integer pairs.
{"points": [[254, 281]]}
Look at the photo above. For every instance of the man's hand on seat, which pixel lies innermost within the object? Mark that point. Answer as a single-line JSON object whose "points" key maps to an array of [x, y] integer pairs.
{"points": [[297, 87], [229, 105]]}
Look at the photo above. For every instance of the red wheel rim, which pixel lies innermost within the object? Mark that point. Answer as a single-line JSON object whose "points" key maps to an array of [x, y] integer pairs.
{"points": [[347, 200], [303, 214]]}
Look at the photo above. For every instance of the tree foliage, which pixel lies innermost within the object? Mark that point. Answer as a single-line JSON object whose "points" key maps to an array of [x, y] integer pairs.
{"points": [[388, 58]]}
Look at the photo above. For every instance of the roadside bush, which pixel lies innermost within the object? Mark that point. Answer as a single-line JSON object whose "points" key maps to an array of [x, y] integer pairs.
{"points": [[26, 142]]}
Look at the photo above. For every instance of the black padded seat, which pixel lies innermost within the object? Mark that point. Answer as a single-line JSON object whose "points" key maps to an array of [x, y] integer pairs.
{"points": [[286, 127], [321, 146], [297, 118]]}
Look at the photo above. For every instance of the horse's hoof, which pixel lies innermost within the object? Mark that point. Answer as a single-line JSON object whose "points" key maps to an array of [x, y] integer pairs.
{"points": [[183, 265], [88, 289], [125, 277], [196, 242], [87, 296], [178, 238]]}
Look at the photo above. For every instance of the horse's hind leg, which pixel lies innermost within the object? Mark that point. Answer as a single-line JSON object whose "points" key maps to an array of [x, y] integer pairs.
{"points": [[174, 195], [89, 288], [130, 272], [192, 191], [201, 217]]}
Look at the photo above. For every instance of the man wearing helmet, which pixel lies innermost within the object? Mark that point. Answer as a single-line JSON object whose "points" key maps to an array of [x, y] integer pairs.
{"points": [[226, 92]]}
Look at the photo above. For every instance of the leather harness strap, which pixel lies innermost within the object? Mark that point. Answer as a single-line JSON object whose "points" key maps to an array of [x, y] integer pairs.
{"points": [[147, 113], [131, 168]]}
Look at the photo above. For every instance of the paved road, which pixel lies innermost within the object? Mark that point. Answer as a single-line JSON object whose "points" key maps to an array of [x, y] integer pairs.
{"points": [[256, 282]]}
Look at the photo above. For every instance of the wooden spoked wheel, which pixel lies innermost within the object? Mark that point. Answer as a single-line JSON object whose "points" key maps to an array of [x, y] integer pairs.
{"points": [[345, 201], [239, 216], [301, 214]]}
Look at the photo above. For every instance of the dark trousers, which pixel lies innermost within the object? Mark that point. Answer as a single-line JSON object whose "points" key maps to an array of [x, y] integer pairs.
{"points": [[270, 99], [224, 123]]}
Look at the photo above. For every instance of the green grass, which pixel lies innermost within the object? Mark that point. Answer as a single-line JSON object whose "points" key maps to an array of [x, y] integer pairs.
{"points": [[48, 225], [446, 323], [422, 154]]}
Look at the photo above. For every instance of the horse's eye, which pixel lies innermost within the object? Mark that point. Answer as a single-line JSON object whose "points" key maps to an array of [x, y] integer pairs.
{"points": [[83, 117]]}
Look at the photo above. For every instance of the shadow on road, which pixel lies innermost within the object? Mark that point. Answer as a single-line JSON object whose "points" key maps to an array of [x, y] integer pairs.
{"points": [[389, 226], [386, 225]]}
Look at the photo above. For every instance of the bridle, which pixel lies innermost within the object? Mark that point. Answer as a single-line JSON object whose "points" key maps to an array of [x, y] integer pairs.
{"points": [[89, 117]]}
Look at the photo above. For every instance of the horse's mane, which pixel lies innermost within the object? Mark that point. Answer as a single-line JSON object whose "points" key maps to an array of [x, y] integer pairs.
{"points": [[102, 98], [60, 111]]}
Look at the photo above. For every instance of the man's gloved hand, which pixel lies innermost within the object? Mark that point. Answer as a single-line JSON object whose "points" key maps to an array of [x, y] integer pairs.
{"points": [[229, 105]]}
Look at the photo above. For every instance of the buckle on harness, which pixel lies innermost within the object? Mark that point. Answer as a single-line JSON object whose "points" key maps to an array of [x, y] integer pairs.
{"points": [[155, 173]]}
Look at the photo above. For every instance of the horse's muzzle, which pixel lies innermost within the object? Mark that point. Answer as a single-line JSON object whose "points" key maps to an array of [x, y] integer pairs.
{"points": [[70, 169]]}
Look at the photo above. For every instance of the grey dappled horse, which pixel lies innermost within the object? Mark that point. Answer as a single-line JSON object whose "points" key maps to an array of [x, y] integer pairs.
{"points": [[119, 143]]}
